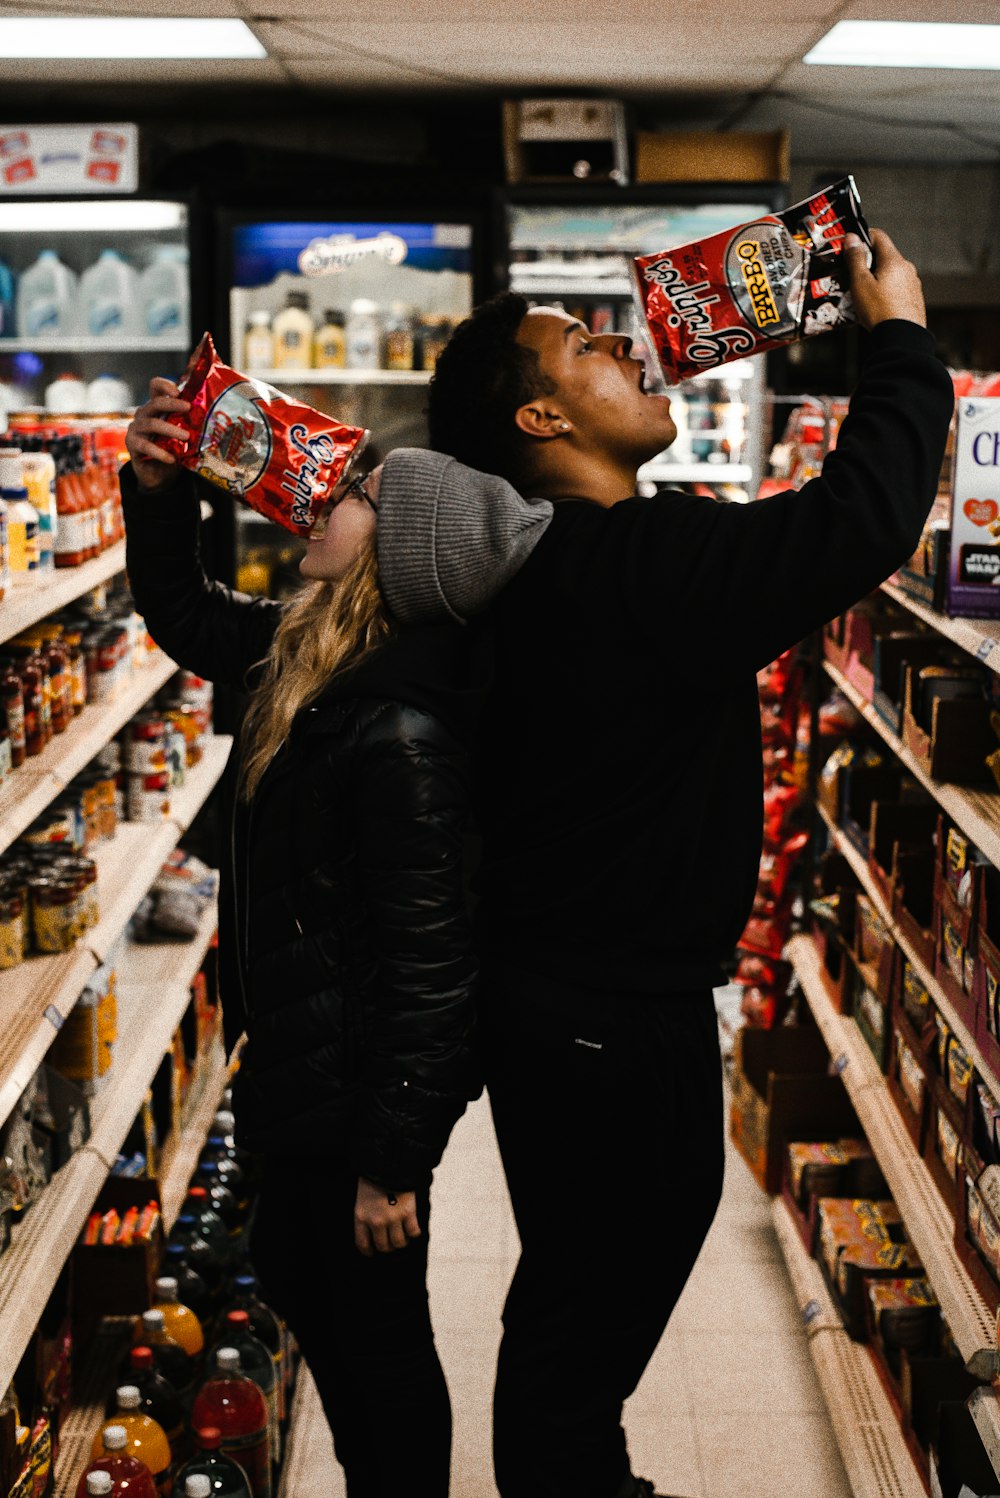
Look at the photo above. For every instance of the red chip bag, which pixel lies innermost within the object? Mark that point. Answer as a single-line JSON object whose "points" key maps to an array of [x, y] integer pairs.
{"points": [[277, 454], [752, 288]]}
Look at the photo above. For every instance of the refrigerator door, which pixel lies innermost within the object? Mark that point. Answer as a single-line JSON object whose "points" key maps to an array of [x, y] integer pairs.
{"points": [[348, 315], [575, 255]]}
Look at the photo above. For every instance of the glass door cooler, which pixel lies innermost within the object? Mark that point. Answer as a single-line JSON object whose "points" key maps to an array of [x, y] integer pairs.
{"points": [[349, 315], [572, 249]]}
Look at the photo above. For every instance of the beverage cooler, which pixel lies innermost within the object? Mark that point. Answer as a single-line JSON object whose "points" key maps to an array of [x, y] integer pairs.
{"points": [[95, 299], [571, 248], [349, 315]]}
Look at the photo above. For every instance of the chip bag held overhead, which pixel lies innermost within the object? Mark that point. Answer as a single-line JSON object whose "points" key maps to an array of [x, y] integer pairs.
{"points": [[753, 288], [277, 454]]}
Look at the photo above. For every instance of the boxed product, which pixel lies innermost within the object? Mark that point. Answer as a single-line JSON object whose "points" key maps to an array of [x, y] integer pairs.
{"points": [[820, 1170], [858, 1240], [974, 568], [899, 824], [903, 1314], [907, 1082], [946, 722], [893, 652], [944, 1151]]}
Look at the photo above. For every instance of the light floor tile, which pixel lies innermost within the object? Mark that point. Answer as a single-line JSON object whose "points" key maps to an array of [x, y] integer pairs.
{"points": [[750, 1374], [666, 1451], [781, 1456]]}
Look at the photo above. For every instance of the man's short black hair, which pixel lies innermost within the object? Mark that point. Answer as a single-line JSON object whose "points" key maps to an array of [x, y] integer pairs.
{"points": [[482, 377]]}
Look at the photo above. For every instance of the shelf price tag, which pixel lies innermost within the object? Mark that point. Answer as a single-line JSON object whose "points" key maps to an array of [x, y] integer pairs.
{"points": [[985, 649], [841, 1063], [55, 1019], [810, 1312]]}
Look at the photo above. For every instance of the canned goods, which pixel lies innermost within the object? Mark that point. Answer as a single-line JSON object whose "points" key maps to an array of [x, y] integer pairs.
{"points": [[146, 744], [147, 797], [56, 826], [11, 928], [54, 912], [176, 754], [6, 755]]}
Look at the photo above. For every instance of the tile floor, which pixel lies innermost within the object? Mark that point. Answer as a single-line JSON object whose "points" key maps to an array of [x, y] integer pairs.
{"points": [[729, 1407]]}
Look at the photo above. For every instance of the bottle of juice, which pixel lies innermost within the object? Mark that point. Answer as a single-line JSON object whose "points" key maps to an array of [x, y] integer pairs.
{"points": [[264, 1325], [40, 482], [145, 1438], [98, 1484], [169, 1357], [293, 333], [257, 1363], [158, 1399], [258, 350], [127, 1474], [191, 1288], [330, 342], [208, 1464], [180, 1321], [234, 1404]]}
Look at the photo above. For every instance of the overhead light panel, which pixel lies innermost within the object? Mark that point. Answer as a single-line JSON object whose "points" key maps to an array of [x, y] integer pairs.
{"points": [[75, 38], [908, 44]]}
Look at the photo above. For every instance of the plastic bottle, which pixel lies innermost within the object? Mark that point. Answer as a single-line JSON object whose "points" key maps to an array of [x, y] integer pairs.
{"points": [[201, 1254], [47, 299], [23, 552], [12, 712], [227, 1479], [258, 349], [159, 1400], [7, 299], [293, 333], [400, 343], [257, 1363], [128, 1475], [145, 1436], [191, 1288], [66, 395], [330, 342], [107, 395], [267, 1327], [169, 1357], [234, 1404], [210, 1225], [209, 1175], [40, 482], [179, 1321], [163, 293], [364, 335], [198, 1486], [109, 297], [99, 1484]]}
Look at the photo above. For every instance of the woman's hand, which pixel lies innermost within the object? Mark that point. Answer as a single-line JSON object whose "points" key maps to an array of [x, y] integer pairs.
{"points": [[379, 1226], [153, 467]]}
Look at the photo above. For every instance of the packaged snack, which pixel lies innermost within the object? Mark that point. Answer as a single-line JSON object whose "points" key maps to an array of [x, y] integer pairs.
{"points": [[752, 288], [276, 454]]}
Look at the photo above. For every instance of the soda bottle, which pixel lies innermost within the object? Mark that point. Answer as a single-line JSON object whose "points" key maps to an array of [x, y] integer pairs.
{"points": [[191, 1288], [210, 1225], [267, 1327], [180, 1321], [234, 1404], [124, 1476], [258, 1364], [145, 1437], [226, 1479], [159, 1399], [236, 1165], [220, 1198], [200, 1254], [169, 1357]]}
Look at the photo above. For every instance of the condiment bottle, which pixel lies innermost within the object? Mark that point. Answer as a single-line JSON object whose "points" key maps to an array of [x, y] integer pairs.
{"points": [[330, 343], [12, 699], [259, 346], [400, 344], [293, 333]]}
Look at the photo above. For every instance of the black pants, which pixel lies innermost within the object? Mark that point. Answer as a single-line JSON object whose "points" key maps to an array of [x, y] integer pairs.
{"points": [[608, 1111], [364, 1329]]}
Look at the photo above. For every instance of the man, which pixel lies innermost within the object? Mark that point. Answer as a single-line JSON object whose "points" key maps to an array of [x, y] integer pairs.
{"points": [[621, 815]]}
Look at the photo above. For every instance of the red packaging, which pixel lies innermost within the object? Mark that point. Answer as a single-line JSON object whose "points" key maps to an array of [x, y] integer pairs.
{"points": [[753, 288], [276, 454]]}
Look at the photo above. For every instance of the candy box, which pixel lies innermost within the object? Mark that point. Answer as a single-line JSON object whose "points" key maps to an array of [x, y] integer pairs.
{"points": [[278, 455], [902, 1314], [755, 287], [974, 565]]}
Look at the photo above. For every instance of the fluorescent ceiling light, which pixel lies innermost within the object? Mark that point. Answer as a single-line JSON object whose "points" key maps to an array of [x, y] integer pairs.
{"points": [[50, 218], [107, 37], [908, 44]]}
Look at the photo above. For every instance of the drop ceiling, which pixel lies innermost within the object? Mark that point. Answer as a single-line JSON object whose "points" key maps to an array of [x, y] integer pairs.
{"points": [[701, 62]]}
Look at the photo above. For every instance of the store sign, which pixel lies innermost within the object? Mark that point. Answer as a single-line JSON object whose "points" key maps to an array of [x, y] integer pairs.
{"points": [[325, 257], [40, 159]]}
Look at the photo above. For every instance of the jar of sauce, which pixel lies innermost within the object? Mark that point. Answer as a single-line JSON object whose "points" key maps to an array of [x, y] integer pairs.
{"points": [[12, 698], [11, 928]]}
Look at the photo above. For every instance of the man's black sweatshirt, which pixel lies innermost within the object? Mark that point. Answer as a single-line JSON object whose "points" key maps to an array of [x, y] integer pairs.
{"points": [[621, 806]]}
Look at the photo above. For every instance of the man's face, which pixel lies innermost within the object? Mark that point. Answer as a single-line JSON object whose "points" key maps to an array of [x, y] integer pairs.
{"points": [[599, 387]]}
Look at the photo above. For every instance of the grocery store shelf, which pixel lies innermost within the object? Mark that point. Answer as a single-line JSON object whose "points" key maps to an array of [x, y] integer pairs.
{"points": [[300, 377], [36, 996], [87, 344], [78, 1427], [965, 1037], [977, 813], [696, 473], [309, 1445], [980, 637], [148, 1017], [984, 1406], [875, 1455], [180, 1156], [29, 790], [564, 286], [927, 1219], [33, 595]]}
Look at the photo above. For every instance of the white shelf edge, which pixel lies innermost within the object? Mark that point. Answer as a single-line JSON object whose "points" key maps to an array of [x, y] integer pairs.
{"points": [[977, 813], [965, 1037], [39, 594], [695, 473], [309, 1444], [984, 1407], [980, 637], [874, 1452], [71, 970], [927, 1219], [83, 343], [299, 377], [558, 286]]}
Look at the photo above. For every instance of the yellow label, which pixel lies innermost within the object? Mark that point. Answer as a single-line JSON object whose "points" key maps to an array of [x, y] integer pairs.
{"points": [[758, 286], [957, 851]]}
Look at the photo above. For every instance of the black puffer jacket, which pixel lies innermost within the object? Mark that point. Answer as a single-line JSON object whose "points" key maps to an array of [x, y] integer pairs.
{"points": [[345, 944]]}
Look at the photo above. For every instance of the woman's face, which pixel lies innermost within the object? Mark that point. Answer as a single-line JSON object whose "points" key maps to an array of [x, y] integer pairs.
{"points": [[345, 527]]}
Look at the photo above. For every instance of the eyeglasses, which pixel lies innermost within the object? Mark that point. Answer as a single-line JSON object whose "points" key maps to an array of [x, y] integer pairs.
{"points": [[358, 485]]}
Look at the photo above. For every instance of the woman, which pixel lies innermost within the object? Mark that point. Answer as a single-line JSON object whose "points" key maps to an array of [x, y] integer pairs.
{"points": [[345, 947]]}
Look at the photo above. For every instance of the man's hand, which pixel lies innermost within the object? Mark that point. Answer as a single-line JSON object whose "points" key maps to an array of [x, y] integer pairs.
{"points": [[890, 289], [154, 468], [379, 1226]]}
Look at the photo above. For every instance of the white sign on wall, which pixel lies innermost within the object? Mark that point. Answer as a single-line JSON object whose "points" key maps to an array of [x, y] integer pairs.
{"points": [[68, 159]]}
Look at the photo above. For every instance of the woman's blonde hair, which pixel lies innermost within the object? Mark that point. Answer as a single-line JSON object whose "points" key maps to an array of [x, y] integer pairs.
{"points": [[325, 629]]}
